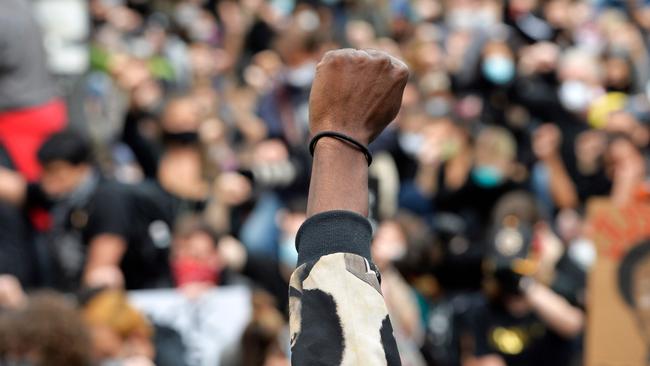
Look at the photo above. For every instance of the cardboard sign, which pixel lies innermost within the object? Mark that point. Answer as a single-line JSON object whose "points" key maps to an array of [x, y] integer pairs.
{"points": [[208, 325], [618, 327]]}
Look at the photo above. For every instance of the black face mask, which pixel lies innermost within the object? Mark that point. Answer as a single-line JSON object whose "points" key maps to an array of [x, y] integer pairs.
{"points": [[180, 138], [623, 89]]}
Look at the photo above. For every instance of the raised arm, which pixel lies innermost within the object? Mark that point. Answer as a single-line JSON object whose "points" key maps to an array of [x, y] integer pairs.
{"points": [[337, 312], [546, 146]]}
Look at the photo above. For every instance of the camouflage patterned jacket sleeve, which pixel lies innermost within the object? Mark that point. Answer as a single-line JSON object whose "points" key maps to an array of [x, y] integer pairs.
{"points": [[337, 312]]}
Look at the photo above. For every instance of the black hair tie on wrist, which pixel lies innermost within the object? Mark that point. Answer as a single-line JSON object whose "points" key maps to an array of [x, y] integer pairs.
{"points": [[339, 136]]}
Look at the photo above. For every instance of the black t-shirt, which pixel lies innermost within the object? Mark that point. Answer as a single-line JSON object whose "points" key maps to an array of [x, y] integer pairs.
{"points": [[471, 201], [469, 208], [587, 185], [526, 340], [143, 214], [539, 95], [140, 214], [521, 341]]}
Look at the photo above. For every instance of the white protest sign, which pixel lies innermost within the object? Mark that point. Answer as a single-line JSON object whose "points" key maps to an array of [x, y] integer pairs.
{"points": [[208, 325]]}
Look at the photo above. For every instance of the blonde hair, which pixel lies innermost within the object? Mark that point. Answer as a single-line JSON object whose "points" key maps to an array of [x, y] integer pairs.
{"points": [[111, 309]]}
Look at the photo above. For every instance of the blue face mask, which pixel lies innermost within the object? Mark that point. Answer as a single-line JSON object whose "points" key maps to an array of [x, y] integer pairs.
{"points": [[498, 69], [487, 176], [287, 254]]}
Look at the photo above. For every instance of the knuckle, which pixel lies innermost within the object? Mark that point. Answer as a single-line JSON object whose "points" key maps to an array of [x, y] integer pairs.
{"points": [[328, 56], [358, 55], [402, 72], [383, 60]]}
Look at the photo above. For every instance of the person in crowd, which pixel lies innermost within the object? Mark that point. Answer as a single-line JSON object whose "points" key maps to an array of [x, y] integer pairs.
{"points": [[201, 259], [389, 247], [535, 293], [121, 335], [262, 342], [30, 107], [97, 224], [334, 243], [201, 109], [40, 329]]}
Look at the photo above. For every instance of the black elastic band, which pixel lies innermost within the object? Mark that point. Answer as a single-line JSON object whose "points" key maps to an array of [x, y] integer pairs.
{"points": [[342, 137]]}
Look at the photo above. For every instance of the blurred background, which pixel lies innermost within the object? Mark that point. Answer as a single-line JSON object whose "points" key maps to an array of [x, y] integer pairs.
{"points": [[154, 174]]}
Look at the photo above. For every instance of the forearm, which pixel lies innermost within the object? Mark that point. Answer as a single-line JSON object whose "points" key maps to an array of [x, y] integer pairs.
{"points": [[427, 180], [13, 187], [335, 279], [336, 309], [105, 250], [339, 179], [337, 313], [559, 315], [561, 186]]}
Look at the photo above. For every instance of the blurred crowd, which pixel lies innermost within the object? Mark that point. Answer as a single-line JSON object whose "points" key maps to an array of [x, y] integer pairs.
{"points": [[165, 149]]}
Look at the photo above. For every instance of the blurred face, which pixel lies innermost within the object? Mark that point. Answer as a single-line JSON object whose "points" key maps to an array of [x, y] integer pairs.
{"points": [[494, 150], [389, 244], [442, 140], [468, 14], [199, 247], [290, 223], [498, 65], [617, 73], [181, 115], [180, 172], [519, 7], [589, 149], [107, 344], [557, 13], [61, 178], [360, 34], [493, 158], [627, 124], [622, 152], [195, 261]]}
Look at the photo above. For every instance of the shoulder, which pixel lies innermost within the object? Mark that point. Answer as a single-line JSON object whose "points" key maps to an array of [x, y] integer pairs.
{"points": [[108, 190]]}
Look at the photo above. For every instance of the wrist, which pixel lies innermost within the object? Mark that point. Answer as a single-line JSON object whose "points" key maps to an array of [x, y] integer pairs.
{"points": [[339, 178], [358, 135], [341, 145]]}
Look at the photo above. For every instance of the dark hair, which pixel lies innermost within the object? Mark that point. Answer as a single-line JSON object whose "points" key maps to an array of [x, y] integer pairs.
{"points": [[627, 267], [261, 336], [50, 327], [189, 225], [69, 146], [517, 203], [422, 244]]}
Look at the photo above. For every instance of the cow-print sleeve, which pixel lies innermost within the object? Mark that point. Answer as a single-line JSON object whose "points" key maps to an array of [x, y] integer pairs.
{"points": [[337, 312]]}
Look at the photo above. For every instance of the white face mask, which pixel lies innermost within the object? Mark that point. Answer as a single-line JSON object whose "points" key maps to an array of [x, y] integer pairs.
{"points": [[583, 253], [411, 142], [389, 251], [287, 253], [464, 18], [301, 76], [437, 106], [576, 95]]}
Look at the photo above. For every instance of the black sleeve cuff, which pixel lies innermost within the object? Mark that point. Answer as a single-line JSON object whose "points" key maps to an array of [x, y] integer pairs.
{"points": [[333, 232]]}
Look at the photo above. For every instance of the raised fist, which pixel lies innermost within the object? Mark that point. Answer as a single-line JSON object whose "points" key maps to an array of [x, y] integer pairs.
{"points": [[546, 141], [356, 92]]}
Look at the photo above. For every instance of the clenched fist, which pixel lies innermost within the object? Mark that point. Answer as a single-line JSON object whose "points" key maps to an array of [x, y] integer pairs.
{"points": [[356, 92]]}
